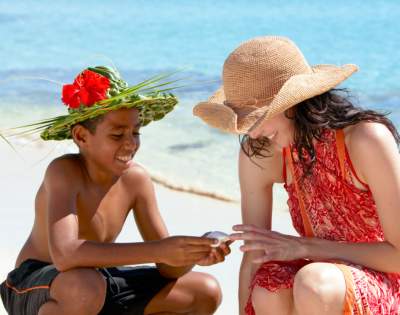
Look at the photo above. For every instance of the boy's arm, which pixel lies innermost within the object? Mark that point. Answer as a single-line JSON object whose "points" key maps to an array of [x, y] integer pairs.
{"points": [[148, 218], [68, 251]]}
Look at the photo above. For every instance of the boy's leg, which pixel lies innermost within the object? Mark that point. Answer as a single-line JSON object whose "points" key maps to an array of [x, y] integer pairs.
{"points": [[79, 291], [194, 293]]}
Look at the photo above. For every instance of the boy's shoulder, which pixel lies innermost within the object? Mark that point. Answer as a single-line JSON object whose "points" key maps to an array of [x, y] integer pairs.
{"points": [[136, 176], [67, 173], [133, 188], [68, 162], [64, 170]]}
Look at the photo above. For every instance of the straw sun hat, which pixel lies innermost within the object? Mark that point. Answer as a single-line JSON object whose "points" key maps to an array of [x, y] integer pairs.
{"points": [[263, 77]]}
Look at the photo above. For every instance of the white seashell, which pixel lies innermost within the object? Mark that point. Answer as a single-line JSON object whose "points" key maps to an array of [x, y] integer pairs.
{"points": [[220, 236]]}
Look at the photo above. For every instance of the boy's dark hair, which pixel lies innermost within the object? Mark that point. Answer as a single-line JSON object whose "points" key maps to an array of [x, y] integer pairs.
{"points": [[91, 124], [330, 110]]}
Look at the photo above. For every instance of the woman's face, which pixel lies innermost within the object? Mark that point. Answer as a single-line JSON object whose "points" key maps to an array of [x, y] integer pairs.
{"points": [[279, 130]]}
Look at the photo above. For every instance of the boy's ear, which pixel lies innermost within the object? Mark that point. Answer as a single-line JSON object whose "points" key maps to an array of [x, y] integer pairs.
{"points": [[79, 135]]}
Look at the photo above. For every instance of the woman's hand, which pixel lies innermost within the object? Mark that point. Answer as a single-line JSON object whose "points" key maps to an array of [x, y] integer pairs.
{"points": [[181, 251], [216, 255], [276, 246]]}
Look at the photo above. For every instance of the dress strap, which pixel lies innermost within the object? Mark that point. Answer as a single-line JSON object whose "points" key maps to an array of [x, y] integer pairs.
{"points": [[343, 155], [306, 222], [341, 150]]}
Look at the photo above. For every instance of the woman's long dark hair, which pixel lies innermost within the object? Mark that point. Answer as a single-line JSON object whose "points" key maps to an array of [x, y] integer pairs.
{"points": [[331, 110]]}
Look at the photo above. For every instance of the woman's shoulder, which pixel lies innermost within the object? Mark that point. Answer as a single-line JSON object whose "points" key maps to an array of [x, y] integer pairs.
{"points": [[266, 168], [368, 134], [370, 145]]}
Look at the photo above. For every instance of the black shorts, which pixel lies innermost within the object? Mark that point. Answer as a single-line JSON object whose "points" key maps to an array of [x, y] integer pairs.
{"points": [[129, 289]]}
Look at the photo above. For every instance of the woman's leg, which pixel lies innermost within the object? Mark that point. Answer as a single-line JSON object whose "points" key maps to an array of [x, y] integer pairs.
{"points": [[194, 293], [319, 288], [79, 291], [266, 302]]}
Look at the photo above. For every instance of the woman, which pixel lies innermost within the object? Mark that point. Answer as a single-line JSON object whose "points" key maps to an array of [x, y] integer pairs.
{"points": [[341, 168]]}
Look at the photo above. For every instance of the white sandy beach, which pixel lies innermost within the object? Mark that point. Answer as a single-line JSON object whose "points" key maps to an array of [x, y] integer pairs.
{"points": [[184, 214]]}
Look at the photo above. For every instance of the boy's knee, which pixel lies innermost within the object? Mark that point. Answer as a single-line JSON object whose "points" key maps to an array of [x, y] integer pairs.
{"points": [[318, 288], [208, 295], [80, 289]]}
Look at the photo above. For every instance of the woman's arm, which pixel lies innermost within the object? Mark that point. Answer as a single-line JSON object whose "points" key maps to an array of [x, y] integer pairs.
{"points": [[256, 202], [376, 159], [375, 156]]}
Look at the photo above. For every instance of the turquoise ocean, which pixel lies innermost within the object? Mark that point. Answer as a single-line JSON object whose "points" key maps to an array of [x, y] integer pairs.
{"points": [[56, 39]]}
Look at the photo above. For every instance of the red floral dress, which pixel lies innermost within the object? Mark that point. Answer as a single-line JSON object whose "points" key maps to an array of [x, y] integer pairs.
{"points": [[336, 210]]}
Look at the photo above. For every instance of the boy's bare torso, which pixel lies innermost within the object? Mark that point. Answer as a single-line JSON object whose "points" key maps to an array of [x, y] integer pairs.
{"points": [[91, 201]]}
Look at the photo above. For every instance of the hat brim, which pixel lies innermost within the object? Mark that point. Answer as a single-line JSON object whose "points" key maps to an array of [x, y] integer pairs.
{"points": [[295, 90], [151, 108]]}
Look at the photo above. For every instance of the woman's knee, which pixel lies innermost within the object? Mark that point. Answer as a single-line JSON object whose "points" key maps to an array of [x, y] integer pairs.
{"points": [[80, 289], [319, 288], [260, 299], [267, 302]]}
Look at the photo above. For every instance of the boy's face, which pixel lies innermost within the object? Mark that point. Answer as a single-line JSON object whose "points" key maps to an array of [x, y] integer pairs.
{"points": [[115, 141]]}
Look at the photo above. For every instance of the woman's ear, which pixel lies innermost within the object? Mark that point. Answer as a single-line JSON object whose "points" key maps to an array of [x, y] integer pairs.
{"points": [[290, 112], [79, 135]]}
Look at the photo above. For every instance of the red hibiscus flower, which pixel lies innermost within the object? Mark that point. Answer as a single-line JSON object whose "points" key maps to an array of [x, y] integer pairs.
{"points": [[88, 88]]}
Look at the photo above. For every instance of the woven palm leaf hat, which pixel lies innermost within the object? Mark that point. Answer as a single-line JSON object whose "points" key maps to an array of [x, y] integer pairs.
{"points": [[263, 77], [99, 90]]}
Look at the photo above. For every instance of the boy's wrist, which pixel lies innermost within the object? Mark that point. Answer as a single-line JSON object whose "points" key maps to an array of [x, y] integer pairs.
{"points": [[156, 252]]}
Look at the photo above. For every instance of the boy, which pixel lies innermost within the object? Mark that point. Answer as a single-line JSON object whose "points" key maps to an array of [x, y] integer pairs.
{"points": [[81, 206]]}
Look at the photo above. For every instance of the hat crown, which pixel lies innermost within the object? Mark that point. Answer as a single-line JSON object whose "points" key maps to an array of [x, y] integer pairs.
{"points": [[258, 68]]}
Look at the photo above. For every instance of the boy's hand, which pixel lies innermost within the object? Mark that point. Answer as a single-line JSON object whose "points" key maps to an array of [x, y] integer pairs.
{"points": [[216, 255], [184, 250]]}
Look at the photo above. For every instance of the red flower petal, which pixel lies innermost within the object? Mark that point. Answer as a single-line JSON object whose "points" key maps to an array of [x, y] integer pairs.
{"points": [[84, 96], [69, 95], [88, 88], [95, 97]]}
